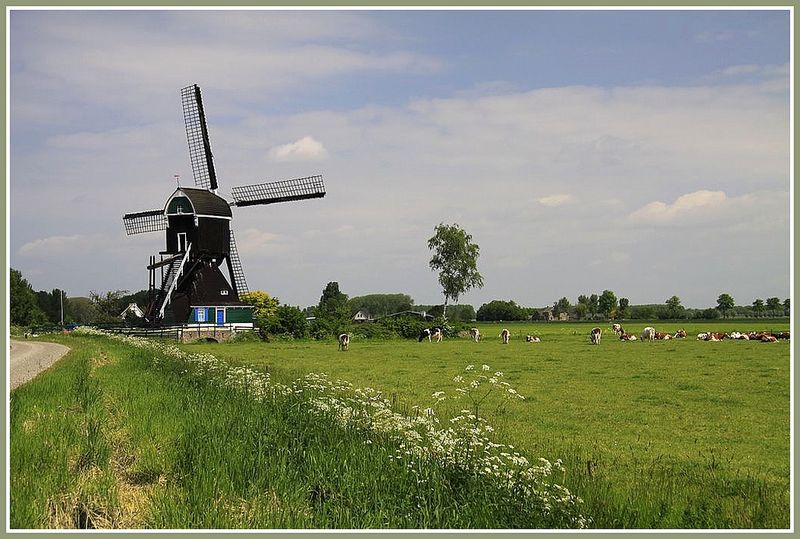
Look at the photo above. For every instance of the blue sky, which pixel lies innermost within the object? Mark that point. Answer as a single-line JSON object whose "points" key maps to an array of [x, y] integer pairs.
{"points": [[630, 150]]}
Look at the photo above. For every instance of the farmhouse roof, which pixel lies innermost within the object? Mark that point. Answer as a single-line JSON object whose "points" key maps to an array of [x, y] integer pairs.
{"points": [[422, 315]]}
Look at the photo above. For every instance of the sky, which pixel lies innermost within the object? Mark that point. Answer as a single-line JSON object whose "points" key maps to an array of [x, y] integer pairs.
{"points": [[644, 152]]}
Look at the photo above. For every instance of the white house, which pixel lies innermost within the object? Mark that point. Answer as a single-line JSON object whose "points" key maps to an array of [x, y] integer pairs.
{"points": [[132, 308]]}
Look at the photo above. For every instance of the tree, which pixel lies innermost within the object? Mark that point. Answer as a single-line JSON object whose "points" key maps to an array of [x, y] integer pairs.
{"points": [[288, 320], [773, 305], [497, 310], [264, 306], [624, 310], [674, 309], [50, 304], [455, 257], [758, 307], [24, 309], [333, 304], [593, 305], [725, 304], [607, 303], [580, 310], [381, 304], [82, 310], [786, 307], [109, 305], [460, 313], [561, 306]]}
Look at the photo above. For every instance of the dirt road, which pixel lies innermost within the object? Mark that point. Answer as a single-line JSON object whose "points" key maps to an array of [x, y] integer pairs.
{"points": [[29, 358]]}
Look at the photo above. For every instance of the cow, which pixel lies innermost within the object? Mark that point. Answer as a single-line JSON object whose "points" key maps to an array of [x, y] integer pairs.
{"points": [[627, 337], [423, 334], [680, 334], [344, 342], [782, 335], [475, 334], [712, 336], [617, 329], [595, 335], [532, 338], [436, 333], [769, 338], [505, 335], [648, 333], [663, 336]]}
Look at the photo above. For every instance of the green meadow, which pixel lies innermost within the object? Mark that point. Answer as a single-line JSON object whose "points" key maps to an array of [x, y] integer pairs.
{"points": [[677, 433], [666, 434]]}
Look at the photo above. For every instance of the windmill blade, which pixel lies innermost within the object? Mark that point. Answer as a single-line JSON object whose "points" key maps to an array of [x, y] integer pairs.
{"points": [[197, 136], [144, 221], [235, 268], [281, 191]]}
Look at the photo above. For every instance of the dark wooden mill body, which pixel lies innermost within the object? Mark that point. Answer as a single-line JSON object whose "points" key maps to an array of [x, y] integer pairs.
{"points": [[186, 282]]}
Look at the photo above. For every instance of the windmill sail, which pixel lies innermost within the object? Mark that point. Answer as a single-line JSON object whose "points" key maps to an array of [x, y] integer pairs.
{"points": [[235, 268], [197, 136], [281, 191], [144, 221]]}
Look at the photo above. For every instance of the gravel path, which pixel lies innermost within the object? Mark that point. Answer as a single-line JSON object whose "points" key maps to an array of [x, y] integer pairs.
{"points": [[30, 358]]}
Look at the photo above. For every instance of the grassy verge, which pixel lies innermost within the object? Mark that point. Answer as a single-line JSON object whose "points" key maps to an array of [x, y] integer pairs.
{"points": [[121, 437]]}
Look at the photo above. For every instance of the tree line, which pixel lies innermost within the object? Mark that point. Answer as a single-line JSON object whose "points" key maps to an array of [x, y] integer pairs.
{"points": [[37, 308], [335, 310]]}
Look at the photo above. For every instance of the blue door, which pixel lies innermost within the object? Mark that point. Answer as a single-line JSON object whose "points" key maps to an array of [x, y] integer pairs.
{"points": [[220, 317]]}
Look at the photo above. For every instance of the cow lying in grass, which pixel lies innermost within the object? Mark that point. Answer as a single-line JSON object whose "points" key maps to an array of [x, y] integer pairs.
{"points": [[532, 338], [344, 342], [627, 337], [595, 335], [505, 335]]}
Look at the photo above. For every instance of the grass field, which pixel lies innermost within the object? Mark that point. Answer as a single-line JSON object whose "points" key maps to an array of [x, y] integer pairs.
{"points": [[669, 434], [649, 431]]}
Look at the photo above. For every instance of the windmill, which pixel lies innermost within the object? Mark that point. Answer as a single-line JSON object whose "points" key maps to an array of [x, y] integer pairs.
{"points": [[186, 282]]}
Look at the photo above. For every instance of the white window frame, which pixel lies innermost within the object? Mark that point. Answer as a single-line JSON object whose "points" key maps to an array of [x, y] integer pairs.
{"points": [[185, 242], [200, 314]]}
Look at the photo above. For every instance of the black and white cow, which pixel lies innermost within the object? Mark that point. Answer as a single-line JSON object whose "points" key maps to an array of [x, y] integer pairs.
{"points": [[505, 335], [595, 335], [344, 342], [431, 333]]}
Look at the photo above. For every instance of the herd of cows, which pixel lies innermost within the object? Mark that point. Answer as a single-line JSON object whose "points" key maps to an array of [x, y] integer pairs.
{"points": [[648, 334]]}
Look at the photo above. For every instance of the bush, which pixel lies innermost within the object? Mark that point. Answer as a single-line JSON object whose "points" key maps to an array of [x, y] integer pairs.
{"points": [[371, 331], [288, 321], [407, 327]]}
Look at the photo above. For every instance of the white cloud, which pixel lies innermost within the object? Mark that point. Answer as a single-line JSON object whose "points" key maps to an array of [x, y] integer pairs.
{"points": [[53, 245], [305, 149], [688, 205], [252, 241], [555, 200]]}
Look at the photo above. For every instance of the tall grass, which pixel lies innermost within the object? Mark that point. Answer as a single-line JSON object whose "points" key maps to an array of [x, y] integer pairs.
{"points": [[179, 441]]}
